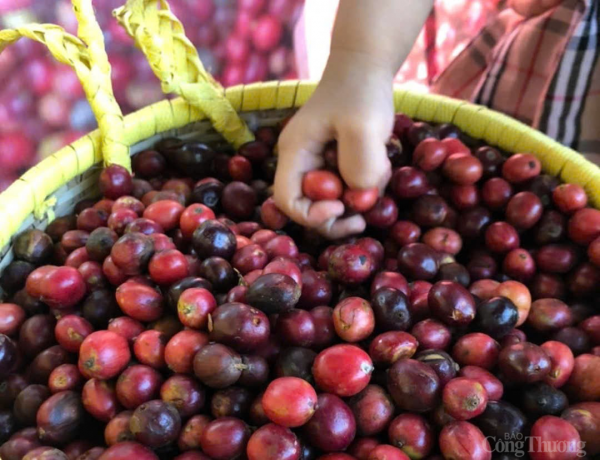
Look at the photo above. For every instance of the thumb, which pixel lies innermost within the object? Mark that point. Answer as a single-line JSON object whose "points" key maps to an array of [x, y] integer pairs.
{"points": [[300, 148], [362, 158]]}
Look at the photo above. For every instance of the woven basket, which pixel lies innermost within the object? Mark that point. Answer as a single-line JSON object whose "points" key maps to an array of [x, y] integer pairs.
{"points": [[207, 112]]}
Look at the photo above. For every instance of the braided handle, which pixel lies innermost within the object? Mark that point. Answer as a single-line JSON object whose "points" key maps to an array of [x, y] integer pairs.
{"points": [[86, 55], [175, 62]]}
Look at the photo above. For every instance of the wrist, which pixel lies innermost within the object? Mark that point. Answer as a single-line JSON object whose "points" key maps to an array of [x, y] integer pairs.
{"points": [[344, 64]]}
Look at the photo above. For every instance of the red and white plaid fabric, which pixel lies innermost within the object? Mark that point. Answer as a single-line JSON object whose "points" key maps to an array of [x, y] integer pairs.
{"points": [[450, 28], [541, 70]]}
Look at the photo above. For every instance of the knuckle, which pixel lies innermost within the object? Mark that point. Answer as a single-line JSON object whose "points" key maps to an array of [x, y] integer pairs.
{"points": [[359, 126], [367, 177], [285, 142], [355, 128], [359, 182]]}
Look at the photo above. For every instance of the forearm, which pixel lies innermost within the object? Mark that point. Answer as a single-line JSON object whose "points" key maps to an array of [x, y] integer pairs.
{"points": [[382, 31]]}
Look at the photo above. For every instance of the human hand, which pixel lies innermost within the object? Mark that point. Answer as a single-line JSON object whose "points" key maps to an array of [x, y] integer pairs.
{"points": [[353, 104]]}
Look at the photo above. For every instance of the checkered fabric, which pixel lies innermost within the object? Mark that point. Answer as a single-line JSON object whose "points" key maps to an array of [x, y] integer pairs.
{"points": [[542, 70]]}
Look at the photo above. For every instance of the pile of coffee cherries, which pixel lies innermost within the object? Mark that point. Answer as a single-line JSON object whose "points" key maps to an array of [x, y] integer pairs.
{"points": [[184, 316]]}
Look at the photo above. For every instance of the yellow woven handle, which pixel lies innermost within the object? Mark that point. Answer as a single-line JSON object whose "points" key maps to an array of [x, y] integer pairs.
{"points": [[86, 55], [175, 61]]}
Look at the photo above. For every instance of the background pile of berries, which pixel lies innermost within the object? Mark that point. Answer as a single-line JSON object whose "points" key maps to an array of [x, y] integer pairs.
{"points": [[42, 105]]}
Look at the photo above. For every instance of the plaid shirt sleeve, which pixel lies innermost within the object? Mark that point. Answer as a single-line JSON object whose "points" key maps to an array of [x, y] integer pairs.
{"points": [[543, 71]]}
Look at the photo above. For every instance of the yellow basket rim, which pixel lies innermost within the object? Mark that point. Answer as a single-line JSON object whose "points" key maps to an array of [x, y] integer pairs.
{"points": [[32, 192]]}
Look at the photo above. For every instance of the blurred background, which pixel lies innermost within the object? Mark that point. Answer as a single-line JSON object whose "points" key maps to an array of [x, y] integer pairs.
{"points": [[42, 106]]}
